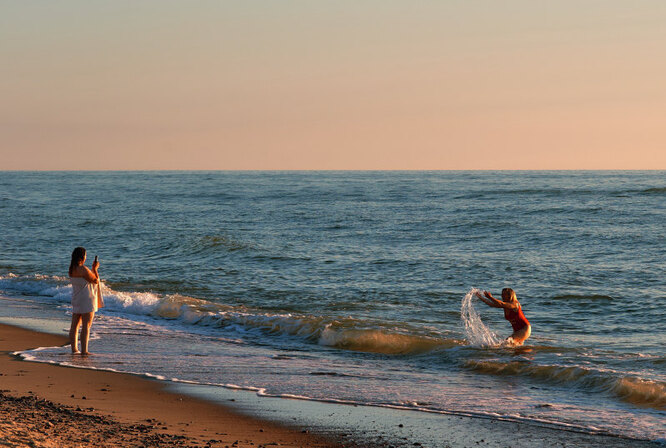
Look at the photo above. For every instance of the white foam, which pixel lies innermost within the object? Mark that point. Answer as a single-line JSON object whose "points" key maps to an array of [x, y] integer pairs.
{"points": [[59, 289]]}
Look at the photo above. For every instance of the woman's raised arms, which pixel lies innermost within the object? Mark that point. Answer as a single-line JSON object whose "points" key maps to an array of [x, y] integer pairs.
{"points": [[489, 300]]}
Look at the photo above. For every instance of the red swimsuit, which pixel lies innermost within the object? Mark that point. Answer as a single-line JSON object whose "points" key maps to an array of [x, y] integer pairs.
{"points": [[517, 318]]}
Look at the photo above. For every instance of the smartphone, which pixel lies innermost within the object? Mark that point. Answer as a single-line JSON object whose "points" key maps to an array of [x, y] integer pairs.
{"points": [[95, 259]]}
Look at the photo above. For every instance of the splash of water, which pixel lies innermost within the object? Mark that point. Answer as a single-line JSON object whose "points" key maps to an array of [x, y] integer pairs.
{"points": [[476, 332]]}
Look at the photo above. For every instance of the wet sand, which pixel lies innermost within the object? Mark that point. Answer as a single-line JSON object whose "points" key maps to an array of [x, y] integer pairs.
{"points": [[53, 406], [45, 405]]}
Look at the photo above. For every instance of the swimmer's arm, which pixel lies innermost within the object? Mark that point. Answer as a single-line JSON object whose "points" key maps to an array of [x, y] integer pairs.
{"points": [[489, 300]]}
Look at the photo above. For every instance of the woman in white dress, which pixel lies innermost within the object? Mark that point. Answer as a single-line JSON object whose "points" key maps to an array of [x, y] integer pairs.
{"points": [[85, 296]]}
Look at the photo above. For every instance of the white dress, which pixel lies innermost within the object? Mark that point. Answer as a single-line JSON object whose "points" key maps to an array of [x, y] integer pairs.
{"points": [[84, 295]]}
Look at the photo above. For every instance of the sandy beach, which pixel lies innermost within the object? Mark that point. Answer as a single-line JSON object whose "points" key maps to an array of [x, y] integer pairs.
{"points": [[50, 406], [45, 405]]}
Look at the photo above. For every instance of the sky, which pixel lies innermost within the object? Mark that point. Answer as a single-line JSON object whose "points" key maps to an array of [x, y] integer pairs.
{"points": [[317, 84]]}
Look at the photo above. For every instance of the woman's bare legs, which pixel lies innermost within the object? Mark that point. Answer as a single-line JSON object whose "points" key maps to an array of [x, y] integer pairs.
{"points": [[85, 331], [520, 336], [74, 332]]}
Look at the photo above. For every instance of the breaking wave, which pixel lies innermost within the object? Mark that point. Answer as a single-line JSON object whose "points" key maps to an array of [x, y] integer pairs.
{"points": [[342, 333], [632, 389]]}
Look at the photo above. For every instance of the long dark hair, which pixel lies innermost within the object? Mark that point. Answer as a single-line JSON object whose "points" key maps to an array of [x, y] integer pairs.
{"points": [[78, 255]]}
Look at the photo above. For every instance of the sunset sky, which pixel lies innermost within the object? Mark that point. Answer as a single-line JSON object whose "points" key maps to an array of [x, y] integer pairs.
{"points": [[316, 84]]}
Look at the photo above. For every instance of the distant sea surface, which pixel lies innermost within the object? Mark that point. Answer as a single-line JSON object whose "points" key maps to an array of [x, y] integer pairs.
{"points": [[355, 286]]}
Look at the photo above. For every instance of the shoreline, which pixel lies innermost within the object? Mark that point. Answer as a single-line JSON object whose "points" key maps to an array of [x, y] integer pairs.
{"points": [[50, 405]]}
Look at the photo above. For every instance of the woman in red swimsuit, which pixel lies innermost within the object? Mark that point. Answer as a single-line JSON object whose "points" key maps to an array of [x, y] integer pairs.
{"points": [[513, 312]]}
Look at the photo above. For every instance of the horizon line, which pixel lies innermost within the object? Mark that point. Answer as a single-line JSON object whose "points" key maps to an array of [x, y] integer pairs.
{"points": [[326, 169]]}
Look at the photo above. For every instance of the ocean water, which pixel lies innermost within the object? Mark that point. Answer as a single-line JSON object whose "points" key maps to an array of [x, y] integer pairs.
{"points": [[355, 287]]}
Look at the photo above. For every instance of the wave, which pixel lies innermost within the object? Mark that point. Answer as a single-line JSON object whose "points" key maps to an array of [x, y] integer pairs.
{"points": [[379, 341], [632, 389], [527, 191], [344, 333], [656, 190], [582, 297], [214, 242], [555, 192]]}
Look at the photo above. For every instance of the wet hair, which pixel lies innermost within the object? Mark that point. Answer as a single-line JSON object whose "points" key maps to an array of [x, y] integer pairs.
{"points": [[512, 294], [78, 254]]}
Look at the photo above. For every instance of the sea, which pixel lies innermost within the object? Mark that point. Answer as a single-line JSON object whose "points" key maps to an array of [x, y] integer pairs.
{"points": [[356, 287]]}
